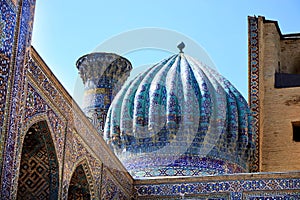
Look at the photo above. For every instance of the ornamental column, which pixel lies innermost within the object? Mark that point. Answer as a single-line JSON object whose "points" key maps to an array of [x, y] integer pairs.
{"points": [[103, 75]]}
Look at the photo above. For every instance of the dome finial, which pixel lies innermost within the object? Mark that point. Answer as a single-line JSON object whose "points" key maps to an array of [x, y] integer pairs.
{"points": [[180, 47]]}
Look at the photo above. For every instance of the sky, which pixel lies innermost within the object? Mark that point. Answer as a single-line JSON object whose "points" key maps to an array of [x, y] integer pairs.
{"points": [[65, 30]]}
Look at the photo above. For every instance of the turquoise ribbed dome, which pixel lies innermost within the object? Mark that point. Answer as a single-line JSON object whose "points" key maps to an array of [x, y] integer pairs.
{"points": [[180, 118]]}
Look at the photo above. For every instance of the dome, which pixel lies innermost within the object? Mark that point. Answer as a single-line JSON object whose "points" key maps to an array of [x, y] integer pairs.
{"points": [[180, 118]]}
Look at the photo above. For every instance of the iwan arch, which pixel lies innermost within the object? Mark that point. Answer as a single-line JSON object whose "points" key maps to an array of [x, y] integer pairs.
{"points": [[51, 150]]}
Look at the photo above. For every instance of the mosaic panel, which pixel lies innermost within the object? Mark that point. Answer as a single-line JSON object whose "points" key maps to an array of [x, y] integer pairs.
{"points": [[49, 87], [16, 96], [253, 76], [115, 182], [38, 175], [110, 187], [79, 186], [36, 105], [96, 170], [183, 166], [98, 145], [76, 149], [274, 195], [192, 197], [75, 152], [7, 27], [36, 108], [13, 4], [235, 187], [184, 118], [122, 177]]}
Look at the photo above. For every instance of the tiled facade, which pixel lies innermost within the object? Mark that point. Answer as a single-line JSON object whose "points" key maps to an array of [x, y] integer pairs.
{"points": [[241, 186], [30, 94], [253, 78]]}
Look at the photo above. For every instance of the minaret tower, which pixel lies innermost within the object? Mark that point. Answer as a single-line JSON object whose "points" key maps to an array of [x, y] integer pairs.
{"points": [[103, 75]]}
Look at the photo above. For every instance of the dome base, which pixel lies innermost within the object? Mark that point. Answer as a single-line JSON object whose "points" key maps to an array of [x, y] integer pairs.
{"points": [[182, 166]]}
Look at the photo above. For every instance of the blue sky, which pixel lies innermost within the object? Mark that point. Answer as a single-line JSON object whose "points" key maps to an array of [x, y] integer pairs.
{"points": [[64, 30]]}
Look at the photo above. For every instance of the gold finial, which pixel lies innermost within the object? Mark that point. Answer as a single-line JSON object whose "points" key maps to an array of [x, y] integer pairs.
{"points": [[180, 47]]}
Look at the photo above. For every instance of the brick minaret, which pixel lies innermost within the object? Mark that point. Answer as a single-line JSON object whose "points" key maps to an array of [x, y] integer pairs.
{"points": [[103, 75]]}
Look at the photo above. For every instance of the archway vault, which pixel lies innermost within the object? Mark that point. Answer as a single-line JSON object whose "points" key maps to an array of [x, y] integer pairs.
{"points": [[39, 169], [82, 184]]}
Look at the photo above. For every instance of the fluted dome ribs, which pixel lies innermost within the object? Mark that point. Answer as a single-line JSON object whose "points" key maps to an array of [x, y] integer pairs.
{"points": [[180, 118]]}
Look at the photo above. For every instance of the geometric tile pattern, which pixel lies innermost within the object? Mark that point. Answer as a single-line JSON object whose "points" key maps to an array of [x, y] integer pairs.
{"points": [[7, 26], [76, 155], [38, 175], [264, 187], [22, 37], [75, 148], [287, 195], [253, 79], [79, 187], [34, 92], [111, 188], [37, 104], [44, 98], [34, 174], [193, 166], [180, 118]]}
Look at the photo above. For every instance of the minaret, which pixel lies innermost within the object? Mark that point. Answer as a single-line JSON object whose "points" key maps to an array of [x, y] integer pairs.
{"points": [[103, 75]]}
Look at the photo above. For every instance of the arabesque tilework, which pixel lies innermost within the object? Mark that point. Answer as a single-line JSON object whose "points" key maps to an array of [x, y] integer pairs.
{"points": [[34, 96], [7, 23], [240, 186], [180, 118], [22, 35], [253, 78], [75, 150]]}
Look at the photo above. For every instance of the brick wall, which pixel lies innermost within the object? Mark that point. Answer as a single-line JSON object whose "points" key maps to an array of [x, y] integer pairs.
{"points": [[279, 107]]}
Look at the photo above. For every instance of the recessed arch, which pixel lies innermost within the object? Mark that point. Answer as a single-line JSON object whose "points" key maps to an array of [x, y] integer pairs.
{"points": [[39, 169], [81, 184]]}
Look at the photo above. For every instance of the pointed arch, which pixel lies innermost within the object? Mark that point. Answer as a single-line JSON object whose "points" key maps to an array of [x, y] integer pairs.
{"points": [[39, 169], [81, 184]]}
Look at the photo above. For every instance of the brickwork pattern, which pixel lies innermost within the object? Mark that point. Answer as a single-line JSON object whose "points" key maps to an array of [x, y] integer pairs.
{"points": [[280, 106]]}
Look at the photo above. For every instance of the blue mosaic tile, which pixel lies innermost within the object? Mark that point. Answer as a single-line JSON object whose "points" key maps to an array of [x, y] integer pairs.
{"points": [[236, 196], [24, 39], [236, 188], [253, 49], [175, 112]]}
